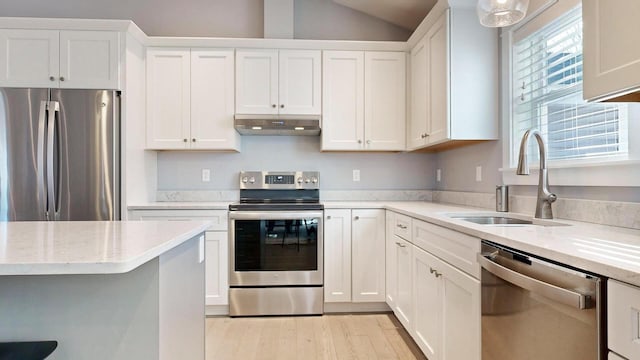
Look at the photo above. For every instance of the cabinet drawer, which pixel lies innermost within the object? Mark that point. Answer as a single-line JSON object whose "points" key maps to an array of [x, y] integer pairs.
{"points": [[623, 311], [402, 226], [457, 249], [218, 218]]}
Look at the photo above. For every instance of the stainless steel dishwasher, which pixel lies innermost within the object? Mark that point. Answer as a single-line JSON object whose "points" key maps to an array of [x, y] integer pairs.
{"points": [[533, 308]]}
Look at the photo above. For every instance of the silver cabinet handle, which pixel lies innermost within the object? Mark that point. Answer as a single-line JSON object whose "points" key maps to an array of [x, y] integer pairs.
{"points": [[185, 140], [555, 293], [328, 217], [194, 139], [52, 78], [359, 141], [282, 106], [368, 141], [61, 78], [401, 226], [435, 272], [356, 218], [273, 106], [400, 244]]}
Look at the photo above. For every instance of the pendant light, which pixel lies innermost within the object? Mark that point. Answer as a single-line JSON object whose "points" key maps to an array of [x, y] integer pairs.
{"points": [[500, 13]]}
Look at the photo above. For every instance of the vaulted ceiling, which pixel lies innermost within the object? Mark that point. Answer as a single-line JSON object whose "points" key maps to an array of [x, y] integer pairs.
{"points": [[404, 13]]}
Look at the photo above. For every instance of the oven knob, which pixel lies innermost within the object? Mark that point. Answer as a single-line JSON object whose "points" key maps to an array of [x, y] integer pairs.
{"points": [[245, 179], [252, 180], [314, 180], [300, 180], [306, 180]]}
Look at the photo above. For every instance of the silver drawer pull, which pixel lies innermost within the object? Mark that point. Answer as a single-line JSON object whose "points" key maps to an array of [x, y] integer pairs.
{"points": [[400, 244], [401, 226], [435, 272]]}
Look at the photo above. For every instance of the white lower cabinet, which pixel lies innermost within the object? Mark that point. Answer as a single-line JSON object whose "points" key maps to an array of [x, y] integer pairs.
{"points": [[437, 303], [623, 319], [404, 283], [354, 255], [216, 248]]}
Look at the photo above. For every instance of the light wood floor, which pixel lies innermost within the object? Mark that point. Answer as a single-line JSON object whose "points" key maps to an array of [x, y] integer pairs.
{"points": [[369, 336]]}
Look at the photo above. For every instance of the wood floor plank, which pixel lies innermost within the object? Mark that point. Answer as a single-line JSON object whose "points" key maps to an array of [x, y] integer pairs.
{"points": [[328, 337]]}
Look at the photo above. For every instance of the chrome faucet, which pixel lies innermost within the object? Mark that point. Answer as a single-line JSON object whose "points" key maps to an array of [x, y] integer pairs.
{"points": [[545, 197]]}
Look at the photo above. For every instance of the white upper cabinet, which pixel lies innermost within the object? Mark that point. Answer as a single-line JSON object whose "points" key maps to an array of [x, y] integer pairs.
{"points": [[384, 100], [190, 99], [212, 100], [89, 59], [610, 49], [257, 82], [168, 98], [299, 85], [278, 82], [368, 260], [65, 59], [454, 95], [363, 101], [343, 100]]}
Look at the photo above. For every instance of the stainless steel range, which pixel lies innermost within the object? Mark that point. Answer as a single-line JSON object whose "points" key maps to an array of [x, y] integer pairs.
{"points": [[276, 249]]}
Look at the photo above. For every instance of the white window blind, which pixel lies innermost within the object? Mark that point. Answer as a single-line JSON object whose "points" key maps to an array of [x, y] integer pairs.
{"points": [[547, 95]]}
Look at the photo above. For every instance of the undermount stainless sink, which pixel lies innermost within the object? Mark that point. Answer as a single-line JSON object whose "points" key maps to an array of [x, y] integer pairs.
{"points": [[494, 220], [502, 220]]}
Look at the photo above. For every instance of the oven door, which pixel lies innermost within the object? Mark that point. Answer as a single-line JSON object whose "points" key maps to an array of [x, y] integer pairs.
{"points": [[275, 248]]}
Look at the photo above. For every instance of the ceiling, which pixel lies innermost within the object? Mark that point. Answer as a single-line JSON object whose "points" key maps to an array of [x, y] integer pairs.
{"points": [[404, 13]]}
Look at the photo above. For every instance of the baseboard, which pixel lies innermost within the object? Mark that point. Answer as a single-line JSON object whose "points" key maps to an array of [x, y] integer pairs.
{"points": [[356, 307], [216, 310]]}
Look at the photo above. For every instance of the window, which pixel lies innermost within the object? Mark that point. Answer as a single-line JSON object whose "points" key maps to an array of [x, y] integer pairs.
{"points": [[547, 95]]}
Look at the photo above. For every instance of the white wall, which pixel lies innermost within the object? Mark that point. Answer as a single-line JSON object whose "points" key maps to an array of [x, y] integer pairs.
{"points": [[182, 170], [314, 19]]}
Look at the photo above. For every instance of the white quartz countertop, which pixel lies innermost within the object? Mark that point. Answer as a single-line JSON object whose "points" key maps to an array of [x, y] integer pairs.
{"points": [[181, 205], [88, 247]]}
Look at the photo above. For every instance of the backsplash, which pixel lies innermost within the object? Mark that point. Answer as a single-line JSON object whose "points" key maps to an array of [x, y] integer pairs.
{"points": [[325, 195], [614, 213]]}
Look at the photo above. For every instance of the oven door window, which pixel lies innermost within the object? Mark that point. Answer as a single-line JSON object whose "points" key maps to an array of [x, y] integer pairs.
{"points": [[276, 245]]}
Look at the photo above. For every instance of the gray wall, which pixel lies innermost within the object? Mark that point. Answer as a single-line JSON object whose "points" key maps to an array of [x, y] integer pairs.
{"points": [[459, 166], [182, 170], [314, 19]]}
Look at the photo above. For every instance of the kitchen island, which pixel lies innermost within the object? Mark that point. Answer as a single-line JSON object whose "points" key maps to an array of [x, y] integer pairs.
{"points": [[104, 290]]}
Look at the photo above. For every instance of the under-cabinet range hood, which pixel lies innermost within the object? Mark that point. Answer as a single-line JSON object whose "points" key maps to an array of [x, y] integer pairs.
{"points": [[277, 124]]}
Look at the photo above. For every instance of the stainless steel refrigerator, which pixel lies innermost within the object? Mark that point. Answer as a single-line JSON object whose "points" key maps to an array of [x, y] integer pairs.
{"points": [[59, 154]]}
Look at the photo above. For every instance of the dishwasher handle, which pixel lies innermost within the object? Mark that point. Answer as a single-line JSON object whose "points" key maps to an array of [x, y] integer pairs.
{"points": [[555, 293]]}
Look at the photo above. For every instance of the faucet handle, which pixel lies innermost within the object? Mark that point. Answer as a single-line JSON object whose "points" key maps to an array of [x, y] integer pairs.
{"points": [[552, 198]]}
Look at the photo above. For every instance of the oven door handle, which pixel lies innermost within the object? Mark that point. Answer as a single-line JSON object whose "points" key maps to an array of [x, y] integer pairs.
{"points": [[274, 215], [555, 293]]}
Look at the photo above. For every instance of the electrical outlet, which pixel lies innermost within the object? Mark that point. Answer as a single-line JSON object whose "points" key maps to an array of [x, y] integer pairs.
{"points": [[439, 175], [356, 175], [206, 175], [478, 173]]}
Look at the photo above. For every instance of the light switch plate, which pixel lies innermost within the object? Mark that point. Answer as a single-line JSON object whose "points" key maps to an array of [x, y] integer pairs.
{"points": [[206, 175], [478, 173], [356, 175], [439, 175]]}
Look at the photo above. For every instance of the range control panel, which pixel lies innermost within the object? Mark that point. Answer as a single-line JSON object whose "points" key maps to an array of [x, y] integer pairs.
{"points": [[274, 180]]}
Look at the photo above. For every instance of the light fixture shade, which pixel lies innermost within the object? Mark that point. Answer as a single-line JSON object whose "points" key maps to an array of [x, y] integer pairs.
{"points": [[499, 13]]}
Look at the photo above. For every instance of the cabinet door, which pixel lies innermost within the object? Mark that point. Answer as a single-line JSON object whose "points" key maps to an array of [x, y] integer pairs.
{"points": [[216, 268], [384, 99], [299, 82], [368, 259], [391, 286], [611, 51], [343, 100], [29, 58], [337, 256], [212, 100], [418, 124], [427, 301], [438, 80], [461, 314], [404, 297], [257, 82], [89, 60], [168, 98], [623, 323]]}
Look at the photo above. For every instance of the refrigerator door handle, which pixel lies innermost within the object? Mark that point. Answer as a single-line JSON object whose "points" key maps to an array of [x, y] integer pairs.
{"points": [[52, 108], [40, 158]]}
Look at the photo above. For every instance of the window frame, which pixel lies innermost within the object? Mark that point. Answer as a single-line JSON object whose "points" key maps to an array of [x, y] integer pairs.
{"points": [[617, 170]]}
